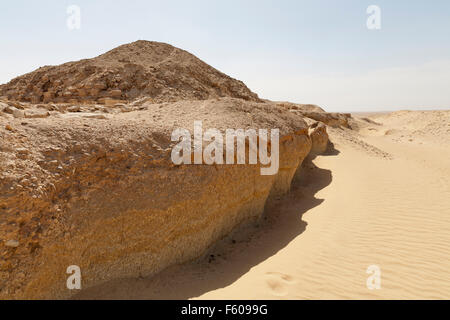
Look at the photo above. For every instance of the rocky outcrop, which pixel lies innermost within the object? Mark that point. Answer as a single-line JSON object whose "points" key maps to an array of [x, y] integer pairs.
{"points": [[334, 120], [319, 138], [141, 69], [316, 113], [103, 193]]}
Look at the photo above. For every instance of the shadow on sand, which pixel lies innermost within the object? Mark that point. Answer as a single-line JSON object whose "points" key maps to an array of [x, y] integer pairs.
{"points": [[234, 256], [331, 150]]}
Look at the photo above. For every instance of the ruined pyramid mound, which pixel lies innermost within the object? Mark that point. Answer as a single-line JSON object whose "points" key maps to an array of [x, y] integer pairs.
{"points": [[140, 69]]}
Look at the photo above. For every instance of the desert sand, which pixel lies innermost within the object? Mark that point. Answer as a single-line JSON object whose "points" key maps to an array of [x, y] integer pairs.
{"points": [[380, 196]]}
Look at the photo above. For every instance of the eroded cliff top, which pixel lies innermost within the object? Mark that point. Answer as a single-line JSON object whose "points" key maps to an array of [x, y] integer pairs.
{"points": [[45, 139]]}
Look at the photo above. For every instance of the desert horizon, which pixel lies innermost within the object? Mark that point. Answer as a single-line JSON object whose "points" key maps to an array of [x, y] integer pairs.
{"points": [[235, 163]]}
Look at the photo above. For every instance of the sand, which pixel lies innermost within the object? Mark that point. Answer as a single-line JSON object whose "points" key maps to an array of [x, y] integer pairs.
{"points": [[380, 197]]}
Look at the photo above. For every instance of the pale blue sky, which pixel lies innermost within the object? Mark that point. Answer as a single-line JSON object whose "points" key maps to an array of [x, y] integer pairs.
{"points": [[302, 51]]}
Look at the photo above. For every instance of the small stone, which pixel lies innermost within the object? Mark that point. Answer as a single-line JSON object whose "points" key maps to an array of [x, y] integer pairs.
{"points": [[74, 109], [15, 104], [19, 114], [116, 93], [125, 109], [21, 275], [48, 107], [36, 114], [95, 116], [9, 109], [9, 128], [22, 151], [12, 243]]}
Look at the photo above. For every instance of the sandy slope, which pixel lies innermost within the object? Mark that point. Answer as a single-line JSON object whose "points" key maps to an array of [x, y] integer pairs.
{"points": [[380, 197]]}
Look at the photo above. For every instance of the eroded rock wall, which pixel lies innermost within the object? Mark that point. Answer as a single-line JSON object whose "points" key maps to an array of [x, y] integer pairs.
{"points": [[103, 194]]}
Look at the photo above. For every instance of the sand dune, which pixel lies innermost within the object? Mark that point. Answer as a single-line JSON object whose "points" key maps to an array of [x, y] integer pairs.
{"points": [[379, 197]]}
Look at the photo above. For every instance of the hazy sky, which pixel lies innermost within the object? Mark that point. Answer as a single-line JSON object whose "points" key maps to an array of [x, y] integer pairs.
{"points": [[317, 52]]}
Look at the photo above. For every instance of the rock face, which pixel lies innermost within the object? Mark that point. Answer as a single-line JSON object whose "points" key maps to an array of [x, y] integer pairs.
{"points": [[301, 107], [103, 194], [140, 69], [318, 114], [319, 138]]}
